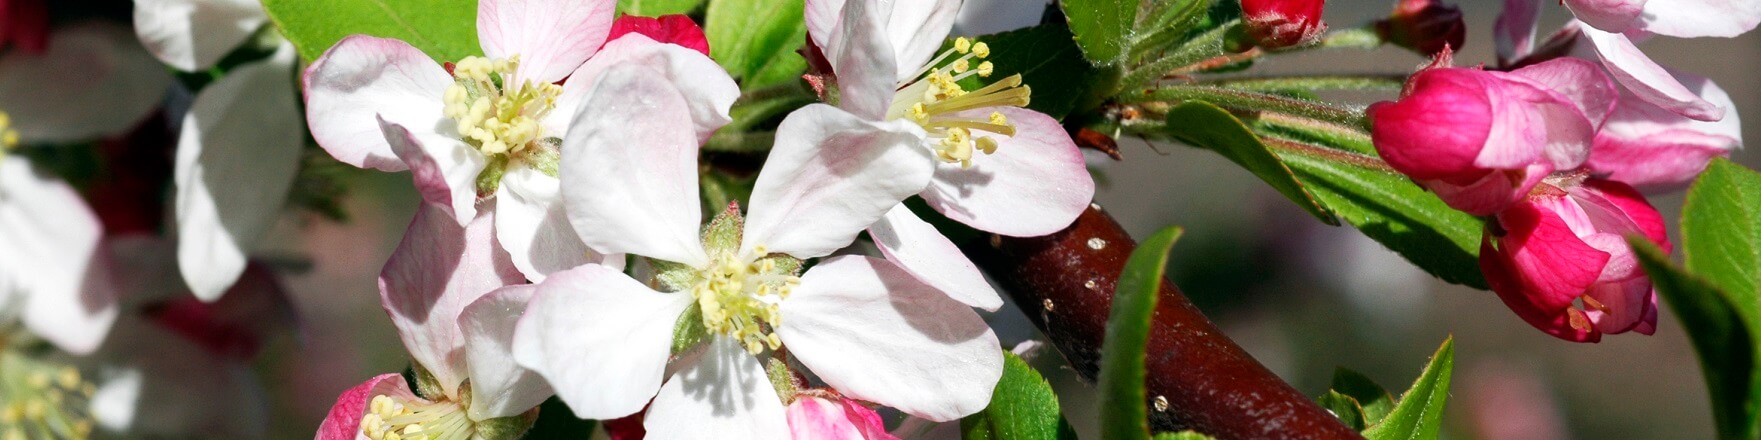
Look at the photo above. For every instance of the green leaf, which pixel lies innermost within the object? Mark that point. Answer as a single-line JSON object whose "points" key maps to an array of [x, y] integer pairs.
{"points": [[656, 8], [556, 420], [1419, 415], [1102, 27], [756, 40], [1165, 21], [1375, 402], [1721, 231], [444, 29], [1721, 336], [1182, 435], [1124, 406], [1345, 408], [1204, 125], [1022, 407], [1049, 63]]}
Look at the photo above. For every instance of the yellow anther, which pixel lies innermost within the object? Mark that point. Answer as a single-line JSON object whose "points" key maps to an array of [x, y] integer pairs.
{"points": [[987, 144], [492, 113], [999, 119], [68, 378], [963, 45], [961, 66], [985, 69], [981, 50]]}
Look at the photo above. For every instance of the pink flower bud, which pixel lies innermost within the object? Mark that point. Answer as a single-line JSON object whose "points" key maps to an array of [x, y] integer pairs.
{"points": [[675, 29], [1560, 260], [1481, 140], [24, 24], [1277, 24], [814, 418], [1426, 26]]}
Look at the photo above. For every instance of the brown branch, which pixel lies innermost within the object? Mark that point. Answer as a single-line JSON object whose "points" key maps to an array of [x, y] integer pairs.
{"points": [[1198, 378]]}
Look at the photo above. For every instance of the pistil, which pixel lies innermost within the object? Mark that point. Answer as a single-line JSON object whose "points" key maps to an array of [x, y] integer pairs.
{"points": [[739, 298]]}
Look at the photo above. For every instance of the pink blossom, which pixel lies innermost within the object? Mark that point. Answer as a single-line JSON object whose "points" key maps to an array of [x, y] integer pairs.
{"points": [[1560, 260], [1481, 140], [1655, 149], [834, 418]]}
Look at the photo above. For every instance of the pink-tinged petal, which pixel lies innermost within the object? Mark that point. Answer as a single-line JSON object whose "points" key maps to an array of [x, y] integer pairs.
{"points": [[630, 173], [829, 176], [1647, 80], [1035, 184], [1580, 81], [1544, 315], [1655, 149], [236, 157], [1608, 15], [94, 80], [708, 90], [1531, 123], [1648, 321], [916, 31], [551, 37], [50, 255], [1514, 32], [824, 19], [928, 255], [344, 420], [1625, 305], [163, 386], [1700, 18], [363, 78], [443, 169], [862, 57], [813, 418], [1633, 206], [1492, 192], [601, 338], [871, 331], [1544, 265], [1438, 127], [192, 35], [436, 271], [724, 394], [532, 225], [499, 386], [672, 29]]}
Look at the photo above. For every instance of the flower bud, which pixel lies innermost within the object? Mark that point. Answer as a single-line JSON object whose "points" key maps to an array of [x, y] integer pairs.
{"points": [[1481, 140], [675, 29], [1560, 259], [1277, 24], [1426, 26], [812, 418]]}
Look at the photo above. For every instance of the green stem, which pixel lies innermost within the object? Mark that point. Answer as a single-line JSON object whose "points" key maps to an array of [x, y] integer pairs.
{"points": [[1285, 146], [1244, 100], [1309, 130], [1203, 47], [1370, 82], [1365, 38]]}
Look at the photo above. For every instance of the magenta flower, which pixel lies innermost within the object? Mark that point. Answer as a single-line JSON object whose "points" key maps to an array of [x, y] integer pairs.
{"points": [[1276, 24], [1481, 140], [1560, 260], [812, 418]]}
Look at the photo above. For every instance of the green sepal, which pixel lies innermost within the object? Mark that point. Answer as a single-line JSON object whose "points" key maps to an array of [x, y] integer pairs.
{"points": [[674, 277], [722, 234], [427, 386], [1345, 408], [783, 379], [489, 180], [507, 428], [689, 330]]}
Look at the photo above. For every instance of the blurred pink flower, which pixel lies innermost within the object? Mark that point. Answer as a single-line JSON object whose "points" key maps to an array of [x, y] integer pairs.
{"points": [[834, 418], [1426, 26], [1566, 245], [24, 24], [1276, 24]]}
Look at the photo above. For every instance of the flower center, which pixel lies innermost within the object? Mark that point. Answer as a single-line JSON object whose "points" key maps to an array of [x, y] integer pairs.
{"points": [[936, 98], [40, 399], [389, 419], [492, 115], [739, 297]]}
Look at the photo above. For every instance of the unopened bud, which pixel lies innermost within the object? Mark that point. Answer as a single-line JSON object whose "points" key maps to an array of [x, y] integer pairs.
{"points": [[1277, 24], [1426, 26]]}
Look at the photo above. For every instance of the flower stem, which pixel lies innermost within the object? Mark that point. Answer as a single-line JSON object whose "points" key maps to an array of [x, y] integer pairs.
{"points": [[1254, 101], [1366, 82], [1200, 48], [1365, 38]]}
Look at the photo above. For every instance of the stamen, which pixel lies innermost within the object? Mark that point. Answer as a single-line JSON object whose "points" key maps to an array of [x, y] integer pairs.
{"points": [[739, 298], [1592, 303], [493, 116], [389, 419], [932, 100], [1577, 319]]}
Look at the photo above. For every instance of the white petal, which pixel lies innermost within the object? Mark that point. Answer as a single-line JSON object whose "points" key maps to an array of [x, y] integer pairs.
{"points": [[532, 225], [873, 332], [1646, 79], [444, 169], [724, 394], [93, 80], [236, 158], [1700, 18], [862, 57], [601, 339], [551, 37], [436, 271], [824, 19], [917, 29], [830, 175], [192, 35], [708, 90], [499, 387], [980, 17], [361, 78], [918, 248], [49, 250], [1035, 184], [630, 173]]}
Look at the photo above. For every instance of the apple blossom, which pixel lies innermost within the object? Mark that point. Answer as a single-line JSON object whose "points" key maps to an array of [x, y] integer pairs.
{"points": [[1426, 26], [864, 326], [1277, 24], [1654, 149], [1566, 245], [812, 418], [1481, 139]]}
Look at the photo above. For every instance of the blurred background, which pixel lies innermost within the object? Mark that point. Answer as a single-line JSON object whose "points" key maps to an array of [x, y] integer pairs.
{"points": [[1302, 297]]}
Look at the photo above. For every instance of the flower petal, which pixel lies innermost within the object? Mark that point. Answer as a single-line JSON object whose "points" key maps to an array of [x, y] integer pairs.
{"points": [[724, 394], [49, 252], [824, 19], [444, 169], [630, 172], [917, 29], [1655, 149], [1035, 184], [675, 29], [236, 157], [1544, 315], [438, 269], [361, 77], [1581, 82], [830, 175], [344, 420], [918, 248], [1700, 18], [499, 387], [862, 57], [192, 35], [708, 90], [1607, 15], [94, 80], [601, 338], [1541, 264], [873, 332], [1514, 32], [551, 37], [814, 418], [1647, 80], [532, 225]]}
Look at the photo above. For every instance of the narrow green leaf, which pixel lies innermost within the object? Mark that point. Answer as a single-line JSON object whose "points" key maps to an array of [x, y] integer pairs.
{"points": [[1049, 62], [1204, 125], [1162, 22], [1419, 415], [1345, 408], [756, 40], [1724, 340], [1022, 407], [1182, 435], [1721, 232], [444, 29], [1102, 27], [656, 8], [1124, 406], [1375, 401]]}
